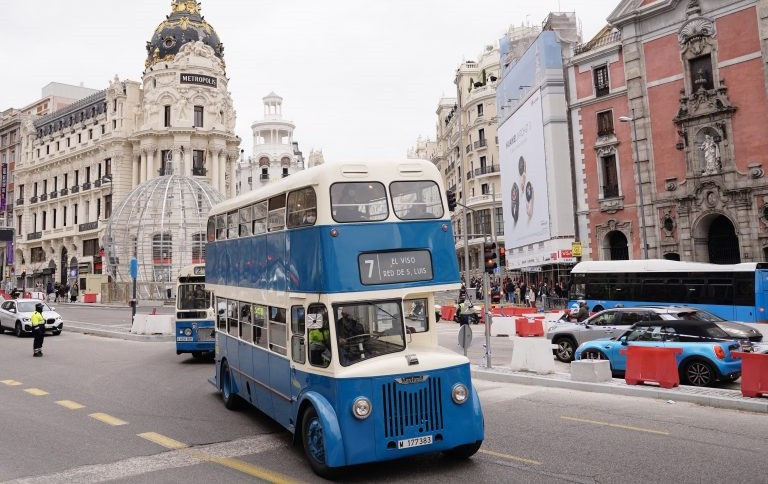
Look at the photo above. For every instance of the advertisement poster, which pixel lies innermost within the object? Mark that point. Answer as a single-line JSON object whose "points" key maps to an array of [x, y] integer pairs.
{"points": [[524, 175], [3, 187]]}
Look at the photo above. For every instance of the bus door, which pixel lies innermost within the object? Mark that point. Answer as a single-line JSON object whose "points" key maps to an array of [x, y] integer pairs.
{"points": [[279, 372], [761, 295]]}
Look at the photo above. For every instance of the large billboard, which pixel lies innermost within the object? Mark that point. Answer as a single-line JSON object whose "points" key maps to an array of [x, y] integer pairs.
{"points": [[524, 175]]}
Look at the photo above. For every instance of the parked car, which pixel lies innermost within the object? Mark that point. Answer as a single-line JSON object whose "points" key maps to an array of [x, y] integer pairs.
{"points": [[706, 356], [611, 322], [15, 314]]}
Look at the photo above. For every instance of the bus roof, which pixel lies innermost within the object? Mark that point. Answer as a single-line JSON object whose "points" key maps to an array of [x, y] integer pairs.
{"points": [[660, 265], [193, 270], [329, 173]]}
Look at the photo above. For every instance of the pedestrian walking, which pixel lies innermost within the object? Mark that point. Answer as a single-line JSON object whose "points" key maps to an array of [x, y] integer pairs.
{"points": [[73, 292], [38, 329]]}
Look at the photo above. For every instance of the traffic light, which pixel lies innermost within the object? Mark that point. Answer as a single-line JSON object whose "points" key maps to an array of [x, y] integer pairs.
{"points": [[451, 197], [489, 249], [502, 257]]}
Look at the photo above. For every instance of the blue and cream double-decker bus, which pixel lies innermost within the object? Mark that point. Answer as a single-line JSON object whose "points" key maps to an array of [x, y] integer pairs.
{"points": [[195, 327], [323, 282]]}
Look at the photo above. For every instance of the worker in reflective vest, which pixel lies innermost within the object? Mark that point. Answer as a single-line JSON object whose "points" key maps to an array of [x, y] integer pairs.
{"points": [[38, 329]]}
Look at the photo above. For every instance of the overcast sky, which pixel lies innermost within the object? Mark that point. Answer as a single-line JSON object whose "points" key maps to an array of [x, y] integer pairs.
{"points": [[360, 79]]}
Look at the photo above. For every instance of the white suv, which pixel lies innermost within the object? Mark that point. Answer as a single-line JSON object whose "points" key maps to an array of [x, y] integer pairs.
{"points": [[613, 322]]}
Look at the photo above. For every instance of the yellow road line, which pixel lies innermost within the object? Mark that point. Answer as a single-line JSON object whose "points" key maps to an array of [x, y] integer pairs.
{"points": [[36, 391], [108, 419], [510, 457], [618, 426], [11, 383], [238, 465], [166, 442], [70, 404]]}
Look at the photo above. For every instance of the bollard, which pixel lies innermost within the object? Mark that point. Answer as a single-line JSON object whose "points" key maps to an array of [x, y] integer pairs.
{"points": [[754, 373], [651, 363]]}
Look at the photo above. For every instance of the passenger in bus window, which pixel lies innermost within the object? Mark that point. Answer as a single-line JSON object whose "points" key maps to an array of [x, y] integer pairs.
{"points": [[319, 346]]}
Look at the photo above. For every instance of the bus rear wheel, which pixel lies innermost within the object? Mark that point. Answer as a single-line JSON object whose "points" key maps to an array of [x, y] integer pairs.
{"points": [[231, 401], [313, 440]]}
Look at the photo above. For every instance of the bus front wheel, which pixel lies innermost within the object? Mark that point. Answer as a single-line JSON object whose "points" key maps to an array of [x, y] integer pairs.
{"points": [[313, 441], [230, 399]]}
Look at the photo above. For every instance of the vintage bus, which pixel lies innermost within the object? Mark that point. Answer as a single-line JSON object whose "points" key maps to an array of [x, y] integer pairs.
{"points": [[323, 280], [195, 326], [737, 292]]}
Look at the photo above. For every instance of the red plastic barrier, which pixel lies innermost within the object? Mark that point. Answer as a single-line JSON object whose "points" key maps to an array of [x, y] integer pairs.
{"points": [[528, 327], [754, 373], [649, 363], [447, 312], [89, 297]]}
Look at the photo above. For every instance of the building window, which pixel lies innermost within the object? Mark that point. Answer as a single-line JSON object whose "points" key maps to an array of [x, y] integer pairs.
{"points": [[198, 248], [198, 116], [107, 206], [108, 167], [167, 117], [74, 214], [114, 124], [103, 129], [499, 221], [610, 176], [19, 219], [198, 162], [482, 220], [69, 142], [605, 123], [480, 110], [701, 73], [66, 180], [87, 174], [87, 213], [90, 247], [34, 193], [64, 213], [165, 161], [162, 251], [47, 149], [90, 134], [114, 105], [601, 81], [79, 137], [45, 219], [98, 208], [484, 189], [55, 212], [98, 171], [21, 192], [77, 177]]}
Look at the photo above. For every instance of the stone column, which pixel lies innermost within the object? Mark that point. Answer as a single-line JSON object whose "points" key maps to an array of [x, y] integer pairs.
{"points": [[213, 169], [232, 180], [143, 171], [222, 174], [188, 162], [134, 172], [151, 164]]}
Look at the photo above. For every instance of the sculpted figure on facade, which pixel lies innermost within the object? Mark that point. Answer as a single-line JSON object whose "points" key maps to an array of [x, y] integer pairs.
{"points": [[711, 155], [183, 104]]}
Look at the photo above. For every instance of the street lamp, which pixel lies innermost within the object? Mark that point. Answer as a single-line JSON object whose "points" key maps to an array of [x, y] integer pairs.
{"points": [[633, 120]]}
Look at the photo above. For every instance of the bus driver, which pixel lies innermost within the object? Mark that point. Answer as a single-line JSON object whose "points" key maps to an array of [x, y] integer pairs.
{"points": [[351, 337]]}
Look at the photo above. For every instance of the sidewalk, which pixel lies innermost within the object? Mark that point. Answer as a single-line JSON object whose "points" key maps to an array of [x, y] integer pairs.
{"points": [[708, 396]]}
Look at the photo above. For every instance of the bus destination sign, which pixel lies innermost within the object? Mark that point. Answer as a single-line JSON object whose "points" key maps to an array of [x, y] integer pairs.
{"points": [[393, 267]]}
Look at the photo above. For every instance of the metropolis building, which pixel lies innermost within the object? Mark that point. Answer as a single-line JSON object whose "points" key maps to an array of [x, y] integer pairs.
{"points": [[79, 162]]}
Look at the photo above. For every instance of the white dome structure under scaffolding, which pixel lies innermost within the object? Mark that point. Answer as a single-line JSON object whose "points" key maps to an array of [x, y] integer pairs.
{"points": [[162, 223]]}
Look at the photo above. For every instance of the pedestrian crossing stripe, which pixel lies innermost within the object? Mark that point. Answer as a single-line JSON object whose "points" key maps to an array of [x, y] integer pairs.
{"points": [[108, 419], [11, 383], [36, 392], [70, 404]]}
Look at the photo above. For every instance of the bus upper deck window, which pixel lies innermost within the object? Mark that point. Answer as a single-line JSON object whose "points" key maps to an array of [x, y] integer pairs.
{"points": [[416, 200], [359, 202]]}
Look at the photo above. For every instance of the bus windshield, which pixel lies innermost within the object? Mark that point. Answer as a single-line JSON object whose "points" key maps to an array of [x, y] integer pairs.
{"points": [[193, 296], [367, 330]]}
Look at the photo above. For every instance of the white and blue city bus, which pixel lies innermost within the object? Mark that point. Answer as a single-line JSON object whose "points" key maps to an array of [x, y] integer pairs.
{"points": [[322, 283], [736, 292], [195, 326]]}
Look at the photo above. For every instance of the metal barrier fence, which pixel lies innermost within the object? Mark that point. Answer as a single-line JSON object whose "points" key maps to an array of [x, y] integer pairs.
{"points": [[121, 292]]}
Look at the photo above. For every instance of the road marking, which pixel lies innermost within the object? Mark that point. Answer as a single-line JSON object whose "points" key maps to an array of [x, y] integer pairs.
{"points": [[36, 391], [510, 457], [11, 383], [166, 442], [70, 404], [108, 419], [238, 465], [618, 426]]}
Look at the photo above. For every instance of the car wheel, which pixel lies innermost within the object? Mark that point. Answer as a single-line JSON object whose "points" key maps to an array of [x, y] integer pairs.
{"points": [[56, 332], [231, 401], [565, 349], [2, 330], [17, 330], [313, 440], [593, 355], [698, 373]]}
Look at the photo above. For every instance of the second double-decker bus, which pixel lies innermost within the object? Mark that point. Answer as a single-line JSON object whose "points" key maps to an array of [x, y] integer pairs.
{"points": [[324, 279], [195, 326], [736, 292]]}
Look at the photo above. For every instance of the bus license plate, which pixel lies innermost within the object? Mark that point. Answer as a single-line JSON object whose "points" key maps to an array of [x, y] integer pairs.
{"points": [[185, 338], [405, 443]]}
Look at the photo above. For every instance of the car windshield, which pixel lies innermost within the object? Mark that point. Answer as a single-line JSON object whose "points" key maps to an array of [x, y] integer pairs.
{"points": [[700, 315], [193, 296], [367, 330], [29, 306]]}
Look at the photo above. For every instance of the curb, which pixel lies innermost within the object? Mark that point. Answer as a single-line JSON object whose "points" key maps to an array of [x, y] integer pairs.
{"points": [[734, 402], [154, 338]]}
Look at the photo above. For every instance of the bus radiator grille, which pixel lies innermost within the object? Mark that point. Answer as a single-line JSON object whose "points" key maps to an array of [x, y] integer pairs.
{"points": [[206, 334], [412, 408]]}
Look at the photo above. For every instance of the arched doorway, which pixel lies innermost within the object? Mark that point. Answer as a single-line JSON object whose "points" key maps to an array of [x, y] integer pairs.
{"points": [[722, 243], [615, 246], [64, 270]]}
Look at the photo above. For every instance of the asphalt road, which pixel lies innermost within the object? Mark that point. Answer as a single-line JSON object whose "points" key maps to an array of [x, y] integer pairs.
{"points": [[148, 415]]}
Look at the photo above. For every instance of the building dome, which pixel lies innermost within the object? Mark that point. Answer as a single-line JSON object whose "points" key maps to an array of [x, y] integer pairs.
{"points": [[183, 25], [162, 223]]}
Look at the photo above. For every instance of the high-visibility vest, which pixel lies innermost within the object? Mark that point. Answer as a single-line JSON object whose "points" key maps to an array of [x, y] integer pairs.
{"points": [[37, 318]]}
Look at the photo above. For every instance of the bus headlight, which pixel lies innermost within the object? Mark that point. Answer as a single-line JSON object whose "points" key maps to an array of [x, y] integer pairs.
{"points": [[188, 332], [361, 408], [459, 393]]}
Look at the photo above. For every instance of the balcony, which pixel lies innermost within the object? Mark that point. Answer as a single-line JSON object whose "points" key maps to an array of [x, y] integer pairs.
{"points": [[63, 191], [264, 176], [33, 199], [53, 194], [19, 201], [86, 185], [34, 236], [469, 148], [486, 170], [97, 183], [88, 226], [610, 191], [43, 197], [74, 189], [481, 143]]}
